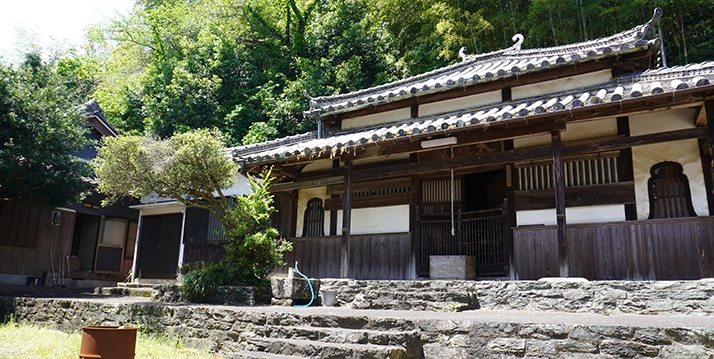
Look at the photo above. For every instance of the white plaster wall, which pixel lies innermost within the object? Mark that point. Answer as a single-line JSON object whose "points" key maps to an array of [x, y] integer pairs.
{"points": [[686, 152], [159, 208], [573, 215], [383, 159], [320, 165], [591, 129], [663, 121], [573, 132], [377, 118], [241, 187], [460, 103], [389, 219], [305, 195], [559, 85], [531, 141]]}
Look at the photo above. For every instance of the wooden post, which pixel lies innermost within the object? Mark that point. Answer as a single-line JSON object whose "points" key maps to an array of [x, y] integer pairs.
{"points": [[709, 108], [560, 203], [346, 222]]}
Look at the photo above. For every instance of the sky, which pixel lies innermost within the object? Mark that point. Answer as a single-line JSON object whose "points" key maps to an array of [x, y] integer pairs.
{"points": [[51, 22]]}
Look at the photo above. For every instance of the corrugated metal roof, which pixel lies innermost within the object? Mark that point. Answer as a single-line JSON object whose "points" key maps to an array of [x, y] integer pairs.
{"points": [[641, 85], [475, 69]]}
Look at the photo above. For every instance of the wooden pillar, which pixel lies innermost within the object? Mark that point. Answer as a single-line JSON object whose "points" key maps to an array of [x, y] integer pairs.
{"points": [[560, 203], [346, 222], [708, 154]]}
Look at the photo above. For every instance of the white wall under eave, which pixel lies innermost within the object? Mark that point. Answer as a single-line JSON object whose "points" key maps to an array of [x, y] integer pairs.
{"points": [[377, 118], [240, 188], [573, 132], [304, 195], [663, 121], [686, 153], [573, 215], [559, 85], [460, 103], [389, 219], [159, 208], [319, 165]]}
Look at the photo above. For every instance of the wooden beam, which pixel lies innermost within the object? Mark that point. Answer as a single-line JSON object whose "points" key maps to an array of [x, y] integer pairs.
{"points": [[287, 171], [390, 199], [708, 108], [577, 196], [497, 158], [556, 147], [346, 222]]}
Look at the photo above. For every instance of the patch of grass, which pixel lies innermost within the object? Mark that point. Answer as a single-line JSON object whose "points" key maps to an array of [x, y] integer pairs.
{"points": [[26, 341]]}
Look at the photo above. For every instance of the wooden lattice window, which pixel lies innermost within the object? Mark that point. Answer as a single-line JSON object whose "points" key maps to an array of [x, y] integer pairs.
{"points": [[584, 171], [669, 192], [314, 220]]}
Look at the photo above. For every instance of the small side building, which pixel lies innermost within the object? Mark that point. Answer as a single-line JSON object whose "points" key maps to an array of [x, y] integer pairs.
{"points": [[82, 244]]}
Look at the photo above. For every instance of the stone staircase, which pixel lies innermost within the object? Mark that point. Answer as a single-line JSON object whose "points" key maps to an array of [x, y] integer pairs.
{"points": [[127, 290], [336, 339]]}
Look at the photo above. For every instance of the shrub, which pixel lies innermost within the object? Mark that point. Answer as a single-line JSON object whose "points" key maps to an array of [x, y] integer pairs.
{"points": [[255, 248], [203, 280]]}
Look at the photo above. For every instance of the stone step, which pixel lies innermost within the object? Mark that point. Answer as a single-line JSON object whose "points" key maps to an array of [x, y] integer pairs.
{"points": [[124, 292], [338, 335], [261, 355], [323, 350], [137, 285]]}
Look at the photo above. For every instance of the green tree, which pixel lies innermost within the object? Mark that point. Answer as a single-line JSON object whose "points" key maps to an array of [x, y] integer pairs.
{"points": [[189, 167], [193, 168], [42, 125]]}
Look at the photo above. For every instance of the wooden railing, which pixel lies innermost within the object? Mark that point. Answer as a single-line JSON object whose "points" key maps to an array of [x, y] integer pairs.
{"points": [[372, 256], [663, 249]]}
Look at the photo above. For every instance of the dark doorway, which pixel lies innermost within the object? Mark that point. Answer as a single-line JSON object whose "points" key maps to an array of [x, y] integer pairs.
{"points": [[476, 227], [484, 190], [159, 245]]}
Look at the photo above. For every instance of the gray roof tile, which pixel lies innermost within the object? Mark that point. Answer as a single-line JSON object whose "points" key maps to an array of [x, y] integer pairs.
{"points": [[648, 83], [494, 65]]}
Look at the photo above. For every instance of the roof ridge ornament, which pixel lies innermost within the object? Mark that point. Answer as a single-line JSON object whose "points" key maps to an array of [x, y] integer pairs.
{"points": [[462, 53], [649, 32], [518, 39], [313, 102]]}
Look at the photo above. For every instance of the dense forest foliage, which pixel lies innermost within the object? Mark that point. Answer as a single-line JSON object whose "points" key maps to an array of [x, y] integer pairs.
{"points": [[245, 66]]}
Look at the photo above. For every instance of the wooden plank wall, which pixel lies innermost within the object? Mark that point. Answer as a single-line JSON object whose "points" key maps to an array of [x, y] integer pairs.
{"points": [[637, 250], [51, 246], [209, 253], [375, 256]]}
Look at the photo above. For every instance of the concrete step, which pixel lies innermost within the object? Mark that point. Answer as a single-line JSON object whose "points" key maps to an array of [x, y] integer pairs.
{"points": [[261, 355], [324, 350], [338, 335]]}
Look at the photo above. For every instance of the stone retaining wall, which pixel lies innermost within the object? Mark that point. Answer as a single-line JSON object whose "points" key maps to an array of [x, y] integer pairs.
{"points": [[231, 331], [562, 295]]}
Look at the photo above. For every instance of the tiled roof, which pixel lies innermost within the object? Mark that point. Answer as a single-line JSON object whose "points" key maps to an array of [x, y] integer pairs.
{"points": [[641, 85], [243, 151], [475, 69]]}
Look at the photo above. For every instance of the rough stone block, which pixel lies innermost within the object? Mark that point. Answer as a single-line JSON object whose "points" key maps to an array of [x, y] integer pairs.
{"points": [[452, 267], [507, 345], [293, 288]]}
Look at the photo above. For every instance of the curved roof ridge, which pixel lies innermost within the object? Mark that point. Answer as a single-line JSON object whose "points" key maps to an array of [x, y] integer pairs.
{"points": [[689, 70], [470, 59], [492, 65]]}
